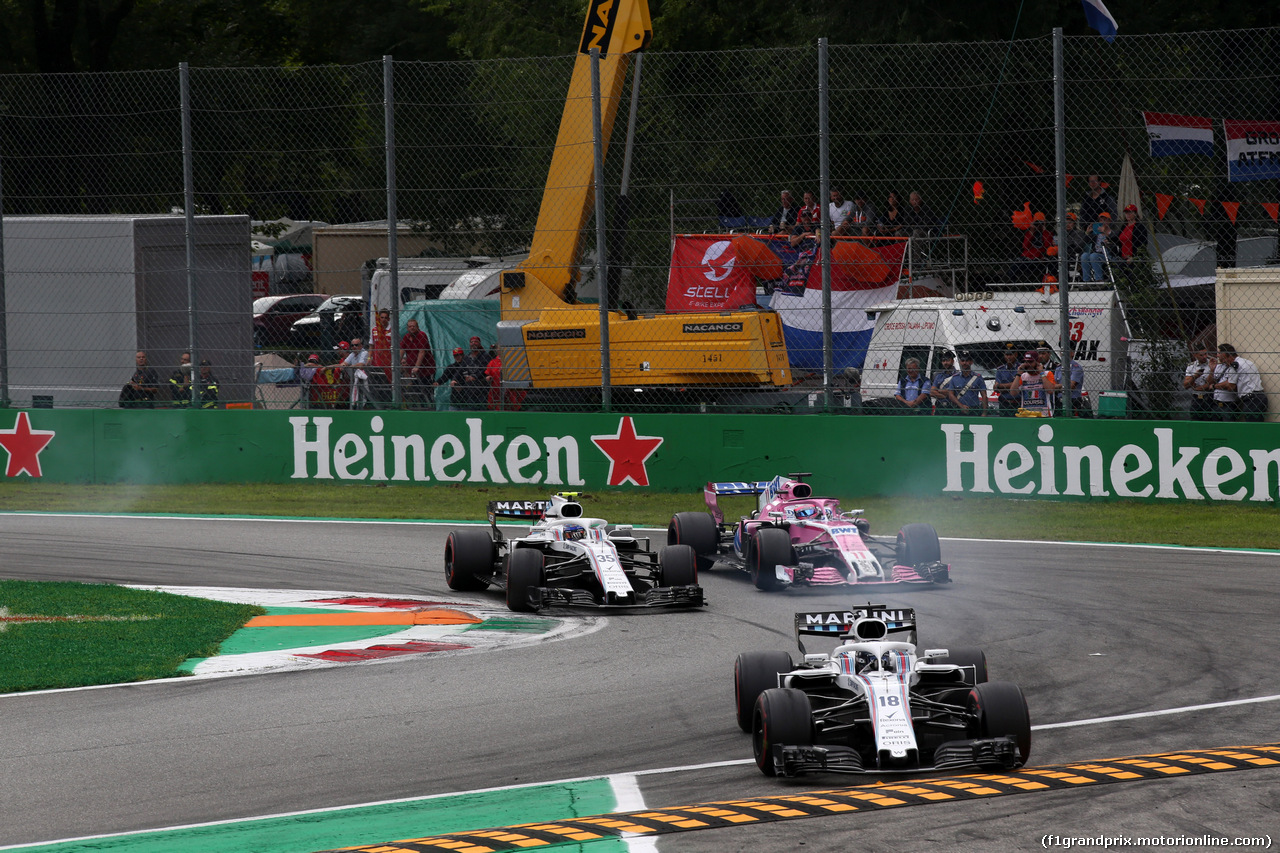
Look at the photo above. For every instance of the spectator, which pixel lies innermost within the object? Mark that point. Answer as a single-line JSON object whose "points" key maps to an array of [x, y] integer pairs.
{"points": [[1033, 388], [473, 377], [862, 219], [967, 390], [417, 362], [1037, 241], [1197, 380], [891, 223], [941, 402], [1241, 379], [380, 357], [355, 367], [809, 217], [180, 383], [1224, 397], [919, 220], [1076, 240], [208, 386], [785, 219], [493, 371], [838, 210], [1005, 374], [1132, 238], [454, 378], [141, 389], [306, 377], [1096, 202], [1102, 248], [1075, 382], [912, 393]]}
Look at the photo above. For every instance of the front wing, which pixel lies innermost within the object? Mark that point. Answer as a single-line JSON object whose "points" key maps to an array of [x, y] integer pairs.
{"points": [[662, 596], [998, 752]]}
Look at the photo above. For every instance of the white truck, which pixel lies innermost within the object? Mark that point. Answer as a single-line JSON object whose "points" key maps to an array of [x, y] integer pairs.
{"points": [[439, 278], [989, 323]]}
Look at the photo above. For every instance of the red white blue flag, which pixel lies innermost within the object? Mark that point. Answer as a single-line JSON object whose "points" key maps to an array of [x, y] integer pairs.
{"points": [[1253, 150], [1171, 134], [1095, 12]]}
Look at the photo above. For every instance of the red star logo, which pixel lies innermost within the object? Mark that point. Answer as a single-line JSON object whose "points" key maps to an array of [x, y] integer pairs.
{"points": [[627, 453], [24, 445]]}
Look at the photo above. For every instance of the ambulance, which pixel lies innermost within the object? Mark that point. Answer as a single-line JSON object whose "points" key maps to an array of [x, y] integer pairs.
{"points": [[988, 324]]}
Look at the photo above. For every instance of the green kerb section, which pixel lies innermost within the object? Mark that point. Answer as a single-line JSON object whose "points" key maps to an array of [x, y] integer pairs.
{"points": [[531, 626], [249, 640], [371, 824]]}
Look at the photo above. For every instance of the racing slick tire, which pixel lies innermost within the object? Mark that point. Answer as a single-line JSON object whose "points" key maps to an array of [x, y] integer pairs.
{"points": [[753, 674], [968, 656], [918, 543], [698, 531], [782, 716], [1001, 710], [524, 572], [468, 559], [770, 546], [677, 566]]}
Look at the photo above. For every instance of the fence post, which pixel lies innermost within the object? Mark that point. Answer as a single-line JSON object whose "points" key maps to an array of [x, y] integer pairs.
{"points": [[824, 169], [602, 270], [4, 321], [189, 205], [393, 227], [1060, 172]]}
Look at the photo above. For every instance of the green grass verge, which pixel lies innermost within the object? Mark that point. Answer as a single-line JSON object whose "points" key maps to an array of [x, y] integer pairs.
{"points": [[1184, 523], [78, 634]]}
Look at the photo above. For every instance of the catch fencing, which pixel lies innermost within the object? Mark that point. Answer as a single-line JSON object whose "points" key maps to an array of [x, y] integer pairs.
{"points": [[205, 210]]}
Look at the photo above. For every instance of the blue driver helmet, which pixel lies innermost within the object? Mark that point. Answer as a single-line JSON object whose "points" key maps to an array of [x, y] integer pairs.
{"points": [[574, 532], [864, 662], [806, 511]]}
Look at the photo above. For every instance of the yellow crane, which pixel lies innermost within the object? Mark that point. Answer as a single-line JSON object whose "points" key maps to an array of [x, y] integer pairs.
{"points": [[548, 339]]}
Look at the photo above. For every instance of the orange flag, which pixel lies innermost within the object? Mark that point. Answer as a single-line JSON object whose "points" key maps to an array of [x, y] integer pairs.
{"points": [[977, 191], [1272, 208], [1163, 201], [1070, 178], [1232, 208], [1199, 203]]}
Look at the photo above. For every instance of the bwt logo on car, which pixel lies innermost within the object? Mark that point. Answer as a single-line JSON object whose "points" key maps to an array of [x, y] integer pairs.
{"points": [[1132, 471], [475, 458]]}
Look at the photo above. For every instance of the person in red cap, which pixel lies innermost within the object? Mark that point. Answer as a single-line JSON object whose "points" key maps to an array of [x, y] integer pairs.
{"points": [[380, 357], [1033, 387]]}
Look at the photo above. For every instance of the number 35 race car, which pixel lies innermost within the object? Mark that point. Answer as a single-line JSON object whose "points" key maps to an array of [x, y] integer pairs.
{"points": [[874, 705], [794, 538], [568, 560]]}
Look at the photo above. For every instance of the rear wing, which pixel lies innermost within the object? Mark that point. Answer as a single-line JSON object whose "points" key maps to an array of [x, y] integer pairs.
{"points": [[712, 491], [837, 624], [559, 505]]}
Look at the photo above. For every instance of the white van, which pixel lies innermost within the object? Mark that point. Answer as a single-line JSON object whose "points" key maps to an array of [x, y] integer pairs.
{"points": [[987, 324], [439, 278]]}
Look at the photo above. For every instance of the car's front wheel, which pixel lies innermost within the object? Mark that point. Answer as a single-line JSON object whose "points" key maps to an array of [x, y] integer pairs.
{"points": [[698, 531], [524, 572], [918, 543], [677, 566], [754, 673], [770, 547], [967, 656], [782, 717], [1000, 710], [468, 559]]}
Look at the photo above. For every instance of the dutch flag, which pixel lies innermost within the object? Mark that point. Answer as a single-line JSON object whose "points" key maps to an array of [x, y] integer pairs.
{"points": [[1170, 134], [1095, 12]]}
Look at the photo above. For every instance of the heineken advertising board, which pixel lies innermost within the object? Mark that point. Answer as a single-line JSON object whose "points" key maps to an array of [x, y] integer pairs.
{"points": [[1028, 458]]}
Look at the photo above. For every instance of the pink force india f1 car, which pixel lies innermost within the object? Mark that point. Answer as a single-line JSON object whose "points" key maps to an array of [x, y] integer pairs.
{"points": [[795, 539]]}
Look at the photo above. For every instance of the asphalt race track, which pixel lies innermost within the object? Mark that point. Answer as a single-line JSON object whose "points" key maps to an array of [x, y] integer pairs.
{"points": [[1088, 632]]}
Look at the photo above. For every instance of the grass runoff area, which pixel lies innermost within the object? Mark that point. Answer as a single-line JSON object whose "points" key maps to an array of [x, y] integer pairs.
{"points": [[121, 635]]}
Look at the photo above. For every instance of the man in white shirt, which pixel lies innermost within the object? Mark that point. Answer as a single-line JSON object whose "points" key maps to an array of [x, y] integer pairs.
{"points": [[838, 210], [1195, 379], [1242, 379], [355, 366]]}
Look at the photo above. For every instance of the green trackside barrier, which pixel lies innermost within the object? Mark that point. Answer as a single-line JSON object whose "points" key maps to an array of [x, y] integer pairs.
{"points": [[1054, 459]]}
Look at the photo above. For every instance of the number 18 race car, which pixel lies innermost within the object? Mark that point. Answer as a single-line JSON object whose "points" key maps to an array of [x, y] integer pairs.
{"points": [[874, 705], [568, 560], [794, 538]]}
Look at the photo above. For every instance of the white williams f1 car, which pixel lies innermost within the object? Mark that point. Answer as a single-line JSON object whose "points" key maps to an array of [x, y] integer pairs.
{"points": [[567, 559], [876, 705]]}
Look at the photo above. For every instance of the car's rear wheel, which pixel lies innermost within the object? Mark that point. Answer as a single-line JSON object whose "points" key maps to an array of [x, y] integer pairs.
{"points": [[524, 572], [1001, 710], [698, 531], [754, 673], [967, 656], [468, 559], [677, 566], [918, 543], [770, 547], [782, 716]]}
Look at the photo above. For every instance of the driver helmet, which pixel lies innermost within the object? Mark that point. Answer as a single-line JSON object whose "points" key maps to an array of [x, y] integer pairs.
{"points": [[574, 532], [806, 511], [864, 662]]}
